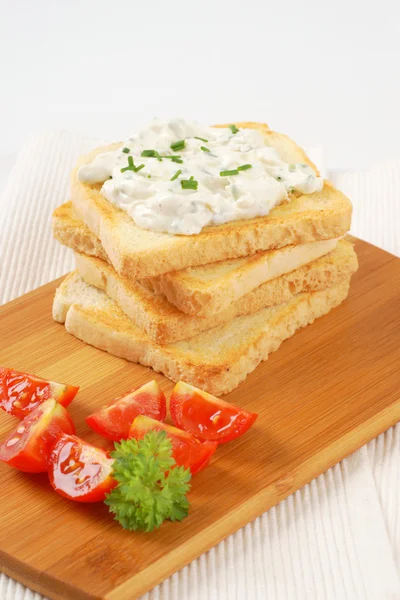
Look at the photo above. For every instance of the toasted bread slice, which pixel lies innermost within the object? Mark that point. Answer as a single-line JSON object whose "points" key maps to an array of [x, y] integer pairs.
{"points": [[71, 232], [164, 323], [216, 361], [209, 289], [206, 290], [138, 253]]}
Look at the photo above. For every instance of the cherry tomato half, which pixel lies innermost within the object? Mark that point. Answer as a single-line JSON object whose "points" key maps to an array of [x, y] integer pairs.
{"points": [[208, 417], [80, 471], [28, 447], [20, 392], [187, 451], [114, 421]]}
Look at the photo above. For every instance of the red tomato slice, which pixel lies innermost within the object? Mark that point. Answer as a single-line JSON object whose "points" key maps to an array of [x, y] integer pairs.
{"points": [[187, 451], [80, 471], [114, 421], [208, 417], [27, 448], [20, 393]]}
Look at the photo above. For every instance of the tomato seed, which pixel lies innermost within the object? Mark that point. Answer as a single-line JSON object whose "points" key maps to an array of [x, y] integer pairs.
{"points": [[21, 429], [12, 442]]}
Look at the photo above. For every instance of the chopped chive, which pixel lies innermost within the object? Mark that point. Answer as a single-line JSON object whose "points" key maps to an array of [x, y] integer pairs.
{"points": [[233, 128], [201, 139], [173, 157], [126, 150], [131, 166], [204, 149], [292, 168], [176, 175], [151, 154], [189, 184], [228, 173], [110, 177], [279, 178], [245, 167], [178, 145]]}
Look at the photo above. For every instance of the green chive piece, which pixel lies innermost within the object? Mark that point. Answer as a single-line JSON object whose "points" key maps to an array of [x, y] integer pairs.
{"points": [[151, 154], [233, 128], [292, 168], [178, 145], [131, 166], [245, 167], [173, 157], [189, 184], [126, 150], [279, 178], [204, 149], [176, 175], [201, 139], [228, 173]]}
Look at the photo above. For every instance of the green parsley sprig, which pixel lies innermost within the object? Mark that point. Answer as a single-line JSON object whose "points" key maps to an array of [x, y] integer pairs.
{"points": [[150, 487]]}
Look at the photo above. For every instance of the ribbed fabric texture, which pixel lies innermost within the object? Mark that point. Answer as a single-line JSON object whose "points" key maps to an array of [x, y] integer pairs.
{"points": [[338, 538]]}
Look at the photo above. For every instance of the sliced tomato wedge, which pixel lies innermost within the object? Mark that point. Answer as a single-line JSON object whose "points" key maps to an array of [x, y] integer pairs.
{"points": [[20, 392], [80, 471], [113, 421], [28, 447], [187, 451], [207, 417]]}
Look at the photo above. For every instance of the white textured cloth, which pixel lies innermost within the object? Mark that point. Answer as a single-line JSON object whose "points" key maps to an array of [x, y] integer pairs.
{"points": [[337, 538]]}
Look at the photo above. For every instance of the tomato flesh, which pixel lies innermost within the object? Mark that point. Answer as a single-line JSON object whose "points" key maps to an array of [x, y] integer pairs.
{"points": [[187, 451], [80, 471], [207, 417], [28, 447], [114, 421], [20, 393]]}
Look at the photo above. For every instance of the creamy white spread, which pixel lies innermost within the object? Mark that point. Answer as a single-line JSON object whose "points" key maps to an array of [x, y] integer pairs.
{"points": [[177, 176]]}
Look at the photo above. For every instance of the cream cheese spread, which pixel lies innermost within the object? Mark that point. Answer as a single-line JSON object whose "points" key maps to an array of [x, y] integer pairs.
{"points": [[177, 176]]}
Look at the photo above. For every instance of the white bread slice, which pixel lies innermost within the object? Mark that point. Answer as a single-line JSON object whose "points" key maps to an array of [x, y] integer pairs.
{"points": [[138, 253], [216, 361], [199, 291], [209, 289], [164, 323], [71, 232]]}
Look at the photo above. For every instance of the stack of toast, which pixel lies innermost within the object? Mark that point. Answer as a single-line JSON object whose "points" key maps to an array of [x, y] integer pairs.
{"points": [[205, 308]]}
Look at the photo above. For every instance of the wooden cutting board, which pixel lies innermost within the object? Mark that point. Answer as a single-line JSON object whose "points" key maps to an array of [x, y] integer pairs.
{"points": [[327, 391]]}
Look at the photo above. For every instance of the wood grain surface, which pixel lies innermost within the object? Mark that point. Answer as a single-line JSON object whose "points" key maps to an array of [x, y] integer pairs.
{"points": [[328, 390]]}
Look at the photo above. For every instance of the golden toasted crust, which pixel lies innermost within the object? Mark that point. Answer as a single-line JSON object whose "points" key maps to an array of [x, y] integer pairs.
{"points": [[139, 253], [217, 360], [164, 323], [71, 232]]}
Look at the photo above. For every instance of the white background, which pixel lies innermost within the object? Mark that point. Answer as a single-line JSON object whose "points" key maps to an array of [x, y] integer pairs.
{"points": [[325, 72]]}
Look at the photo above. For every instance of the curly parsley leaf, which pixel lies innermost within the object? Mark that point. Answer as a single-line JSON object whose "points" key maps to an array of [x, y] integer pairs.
{"points": [[150, 487]]}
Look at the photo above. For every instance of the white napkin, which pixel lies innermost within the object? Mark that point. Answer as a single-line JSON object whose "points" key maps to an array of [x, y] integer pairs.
{"points": [[339, 537]]}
